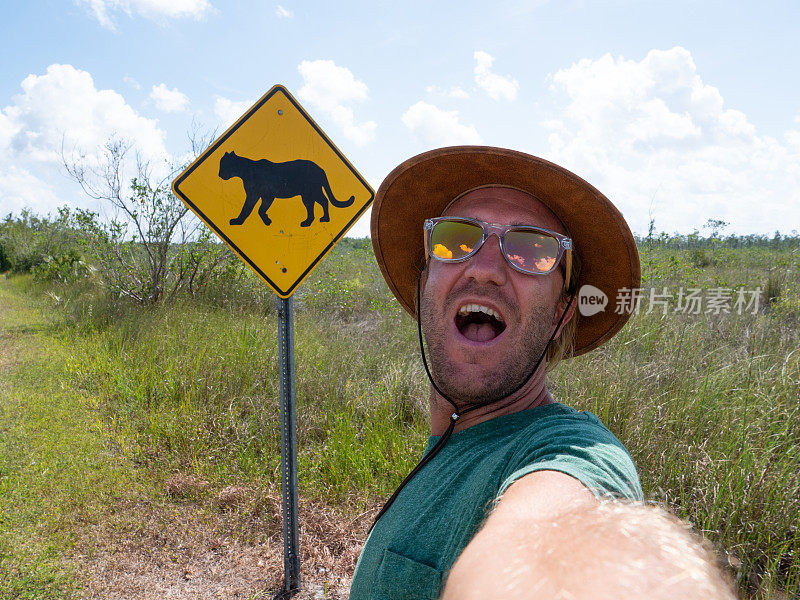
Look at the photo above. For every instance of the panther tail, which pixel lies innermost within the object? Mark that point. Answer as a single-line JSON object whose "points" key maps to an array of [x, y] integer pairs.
{"points": [[327, 187]]}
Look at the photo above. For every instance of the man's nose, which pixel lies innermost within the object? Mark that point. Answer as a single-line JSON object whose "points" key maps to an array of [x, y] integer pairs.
{"points": [[487, 265]]}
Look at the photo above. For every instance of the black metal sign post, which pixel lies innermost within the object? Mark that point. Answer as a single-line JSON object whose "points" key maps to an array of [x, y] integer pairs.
{"points": [[291, 526]]}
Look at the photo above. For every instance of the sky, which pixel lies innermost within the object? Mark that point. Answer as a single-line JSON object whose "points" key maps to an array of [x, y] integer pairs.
{"points": [[679, 111]]}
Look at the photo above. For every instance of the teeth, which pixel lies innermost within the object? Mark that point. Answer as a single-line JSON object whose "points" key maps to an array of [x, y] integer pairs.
{"points": [[472, 308]]}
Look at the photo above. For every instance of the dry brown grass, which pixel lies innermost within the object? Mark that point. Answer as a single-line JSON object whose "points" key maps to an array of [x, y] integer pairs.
{"points": [[233, 496], [225, 544], [182, 486]]}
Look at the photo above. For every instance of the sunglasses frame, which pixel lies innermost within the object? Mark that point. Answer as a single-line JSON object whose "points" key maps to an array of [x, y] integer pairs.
{"points": [[488, 229]]}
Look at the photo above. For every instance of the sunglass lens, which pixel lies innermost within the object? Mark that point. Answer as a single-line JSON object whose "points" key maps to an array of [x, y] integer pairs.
{"points": [[530, 251], [452, 240]]}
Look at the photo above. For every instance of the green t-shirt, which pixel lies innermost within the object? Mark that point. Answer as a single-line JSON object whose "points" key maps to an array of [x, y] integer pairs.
{"points": [[436, 515]]}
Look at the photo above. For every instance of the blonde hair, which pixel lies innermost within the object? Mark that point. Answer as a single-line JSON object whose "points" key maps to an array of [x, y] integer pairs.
{"points": [[563, 346]]}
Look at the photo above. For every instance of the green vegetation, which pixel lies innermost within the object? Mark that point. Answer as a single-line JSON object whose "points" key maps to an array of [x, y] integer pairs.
{"points": [[708, 404], [56, 473]]}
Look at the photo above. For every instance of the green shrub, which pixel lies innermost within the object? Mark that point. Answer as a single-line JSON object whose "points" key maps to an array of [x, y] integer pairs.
{"points": [[26, 241], [64, 267], [5, 259], [700, 258]]}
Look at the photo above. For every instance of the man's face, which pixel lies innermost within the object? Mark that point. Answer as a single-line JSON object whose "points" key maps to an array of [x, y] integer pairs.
{"points": [[476, 358]]}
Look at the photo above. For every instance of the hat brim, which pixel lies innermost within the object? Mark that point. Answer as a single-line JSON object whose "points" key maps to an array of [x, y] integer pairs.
{"points": [[423, 186]]}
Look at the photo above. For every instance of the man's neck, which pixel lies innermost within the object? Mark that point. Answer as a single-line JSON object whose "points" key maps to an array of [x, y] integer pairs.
{"points": [[534, 393]]}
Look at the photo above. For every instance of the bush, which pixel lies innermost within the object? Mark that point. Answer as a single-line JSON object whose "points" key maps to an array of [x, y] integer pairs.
{"points": [[5, 260], [28, 240], [700, 258], [154, 248], [64, 267]]}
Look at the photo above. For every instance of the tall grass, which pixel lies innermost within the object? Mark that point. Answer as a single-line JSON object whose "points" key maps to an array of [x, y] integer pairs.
{"points": [[709, 410], [194, 386], [708, 405]]}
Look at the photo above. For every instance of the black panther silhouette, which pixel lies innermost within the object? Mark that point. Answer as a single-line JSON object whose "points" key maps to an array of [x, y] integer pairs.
{"points": [[268, 180]]}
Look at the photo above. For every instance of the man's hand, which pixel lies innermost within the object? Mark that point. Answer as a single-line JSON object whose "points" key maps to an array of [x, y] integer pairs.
{"points": [[549, 538]]}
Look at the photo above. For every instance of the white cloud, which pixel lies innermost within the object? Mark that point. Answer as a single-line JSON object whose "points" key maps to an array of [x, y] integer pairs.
{"points": [[20, 189], [63, 107], [283, 13], [497, 86], [168, 100], [435, 127], [65, 104], [8, 129], [228, 110], [654, 137], [454, 91], [792, 136], [156, 10], [132, 82], [331, 89]]}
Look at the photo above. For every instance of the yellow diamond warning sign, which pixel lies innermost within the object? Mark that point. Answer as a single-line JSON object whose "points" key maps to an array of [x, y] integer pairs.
{"points": [[276, 189]]}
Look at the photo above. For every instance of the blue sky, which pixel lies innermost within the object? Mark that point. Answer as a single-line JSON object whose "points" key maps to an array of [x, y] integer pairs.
{"points": [[679, 111]]}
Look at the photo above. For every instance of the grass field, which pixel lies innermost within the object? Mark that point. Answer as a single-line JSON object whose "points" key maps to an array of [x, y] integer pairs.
{"points": [[708, 404], [55, 472]]}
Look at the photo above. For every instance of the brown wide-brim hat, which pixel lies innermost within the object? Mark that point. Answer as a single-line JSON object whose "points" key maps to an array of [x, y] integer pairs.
{"points": [[423, 186]]}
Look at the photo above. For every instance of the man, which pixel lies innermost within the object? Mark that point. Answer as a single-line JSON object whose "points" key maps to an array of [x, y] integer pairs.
{"points": [[488, 247]]}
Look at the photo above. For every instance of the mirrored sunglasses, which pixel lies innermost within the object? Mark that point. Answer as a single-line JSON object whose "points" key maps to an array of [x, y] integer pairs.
{"points": [[527, 249]]}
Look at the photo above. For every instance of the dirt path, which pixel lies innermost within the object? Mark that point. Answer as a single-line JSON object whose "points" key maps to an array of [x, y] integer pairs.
{"points": [[148, 538], [199, 550]]}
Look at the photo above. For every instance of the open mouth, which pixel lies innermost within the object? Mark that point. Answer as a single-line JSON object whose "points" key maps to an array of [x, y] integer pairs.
{"points": [[479, 323]]}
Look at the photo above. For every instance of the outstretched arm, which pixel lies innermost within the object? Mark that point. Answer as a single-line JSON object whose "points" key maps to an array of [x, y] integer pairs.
{"points": [[549, 538]]}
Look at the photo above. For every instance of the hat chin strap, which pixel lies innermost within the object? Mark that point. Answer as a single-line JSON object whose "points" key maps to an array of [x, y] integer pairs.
{"points": [[456, 415]]}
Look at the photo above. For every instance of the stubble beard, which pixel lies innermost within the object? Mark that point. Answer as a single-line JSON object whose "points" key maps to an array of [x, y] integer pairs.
{"points": [[492, 387]]}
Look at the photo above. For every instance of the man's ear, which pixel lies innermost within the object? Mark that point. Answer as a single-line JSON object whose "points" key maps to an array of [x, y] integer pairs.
{"points": [[560, 307], [423, 279], [423, 276]]}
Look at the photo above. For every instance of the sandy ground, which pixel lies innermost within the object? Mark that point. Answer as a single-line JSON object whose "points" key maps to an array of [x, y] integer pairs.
{"points": [[200, 544]]}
